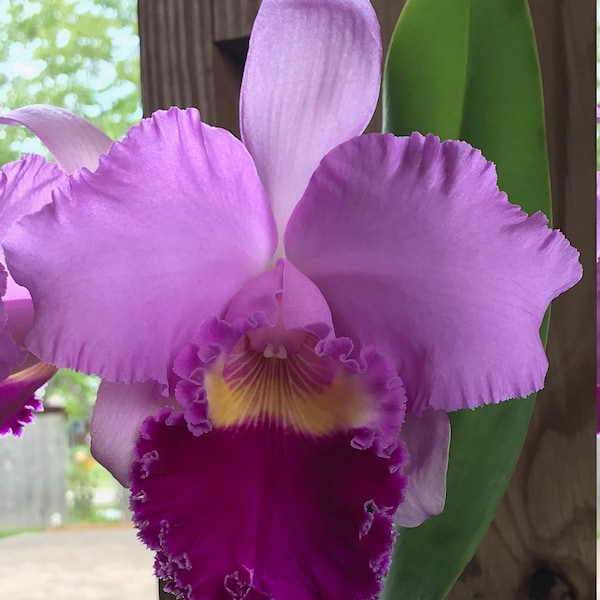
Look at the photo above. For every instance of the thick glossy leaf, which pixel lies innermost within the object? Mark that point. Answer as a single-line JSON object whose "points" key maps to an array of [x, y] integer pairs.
{"points": [[468, 69]]}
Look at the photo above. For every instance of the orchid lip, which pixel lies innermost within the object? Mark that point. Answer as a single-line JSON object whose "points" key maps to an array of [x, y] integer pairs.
{"points": [[284, 431]]}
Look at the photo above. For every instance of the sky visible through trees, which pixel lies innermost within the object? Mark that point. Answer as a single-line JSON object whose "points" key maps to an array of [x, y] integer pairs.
{"points": [[82, 55]]}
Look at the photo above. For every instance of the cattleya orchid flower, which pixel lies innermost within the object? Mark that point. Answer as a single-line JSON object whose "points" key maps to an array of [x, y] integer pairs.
{"points": [[283, 323], [25, 187]]}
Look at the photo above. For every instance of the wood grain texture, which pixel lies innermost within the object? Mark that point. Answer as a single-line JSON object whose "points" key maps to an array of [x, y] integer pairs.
{"points": [[541, 545], [234, 18], [182, 66]]}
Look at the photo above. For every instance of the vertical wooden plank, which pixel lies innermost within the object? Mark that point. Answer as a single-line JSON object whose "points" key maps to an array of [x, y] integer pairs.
{"points": [[180, 63], [234, 18]]}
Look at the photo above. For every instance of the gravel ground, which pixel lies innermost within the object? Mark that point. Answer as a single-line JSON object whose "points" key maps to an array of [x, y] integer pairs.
{"points": [[107, 563]]}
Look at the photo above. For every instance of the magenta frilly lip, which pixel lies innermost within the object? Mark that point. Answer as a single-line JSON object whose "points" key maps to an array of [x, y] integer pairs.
{"points": [[294, 440]]}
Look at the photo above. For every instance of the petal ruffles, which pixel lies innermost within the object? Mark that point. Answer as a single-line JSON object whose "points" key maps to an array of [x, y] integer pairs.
{"points": [[288, 463], [418, 253], [311, 82], [265, 511], [172, 223]]}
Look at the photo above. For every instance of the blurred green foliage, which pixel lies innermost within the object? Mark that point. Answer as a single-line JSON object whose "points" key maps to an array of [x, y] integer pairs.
{"points": [[84, 476], [75, 391], [82, 55]]}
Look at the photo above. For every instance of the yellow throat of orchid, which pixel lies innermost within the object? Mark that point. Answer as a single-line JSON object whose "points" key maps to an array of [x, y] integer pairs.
{"points": [[293, 389]]}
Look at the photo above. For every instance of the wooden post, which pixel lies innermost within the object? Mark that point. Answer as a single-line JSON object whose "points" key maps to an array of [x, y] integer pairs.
{"points": [[541, 544]]}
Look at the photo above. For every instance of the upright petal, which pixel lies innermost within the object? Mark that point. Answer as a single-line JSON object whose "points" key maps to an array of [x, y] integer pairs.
{"points": [[418, 253], [127, 263], [311, 82], [73, 141]]}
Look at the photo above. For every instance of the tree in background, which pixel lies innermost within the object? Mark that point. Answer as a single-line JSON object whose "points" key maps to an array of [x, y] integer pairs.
{"points": [[75, 391], [82, 55]]}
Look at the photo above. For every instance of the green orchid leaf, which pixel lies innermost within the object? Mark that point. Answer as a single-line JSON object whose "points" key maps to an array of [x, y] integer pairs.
{"points": [[468, 69]]}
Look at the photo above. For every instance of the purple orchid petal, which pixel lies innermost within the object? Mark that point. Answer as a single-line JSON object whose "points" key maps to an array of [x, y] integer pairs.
{"points": [[25, 186], [169, 227], [17, 399], [311, 82], [118, 415], [73, 141], [427, 439], [418, 253], [10, 355]]}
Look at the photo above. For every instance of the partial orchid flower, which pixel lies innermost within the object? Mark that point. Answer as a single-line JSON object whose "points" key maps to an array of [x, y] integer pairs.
{"points": [[282, 324], [25, 186]]}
